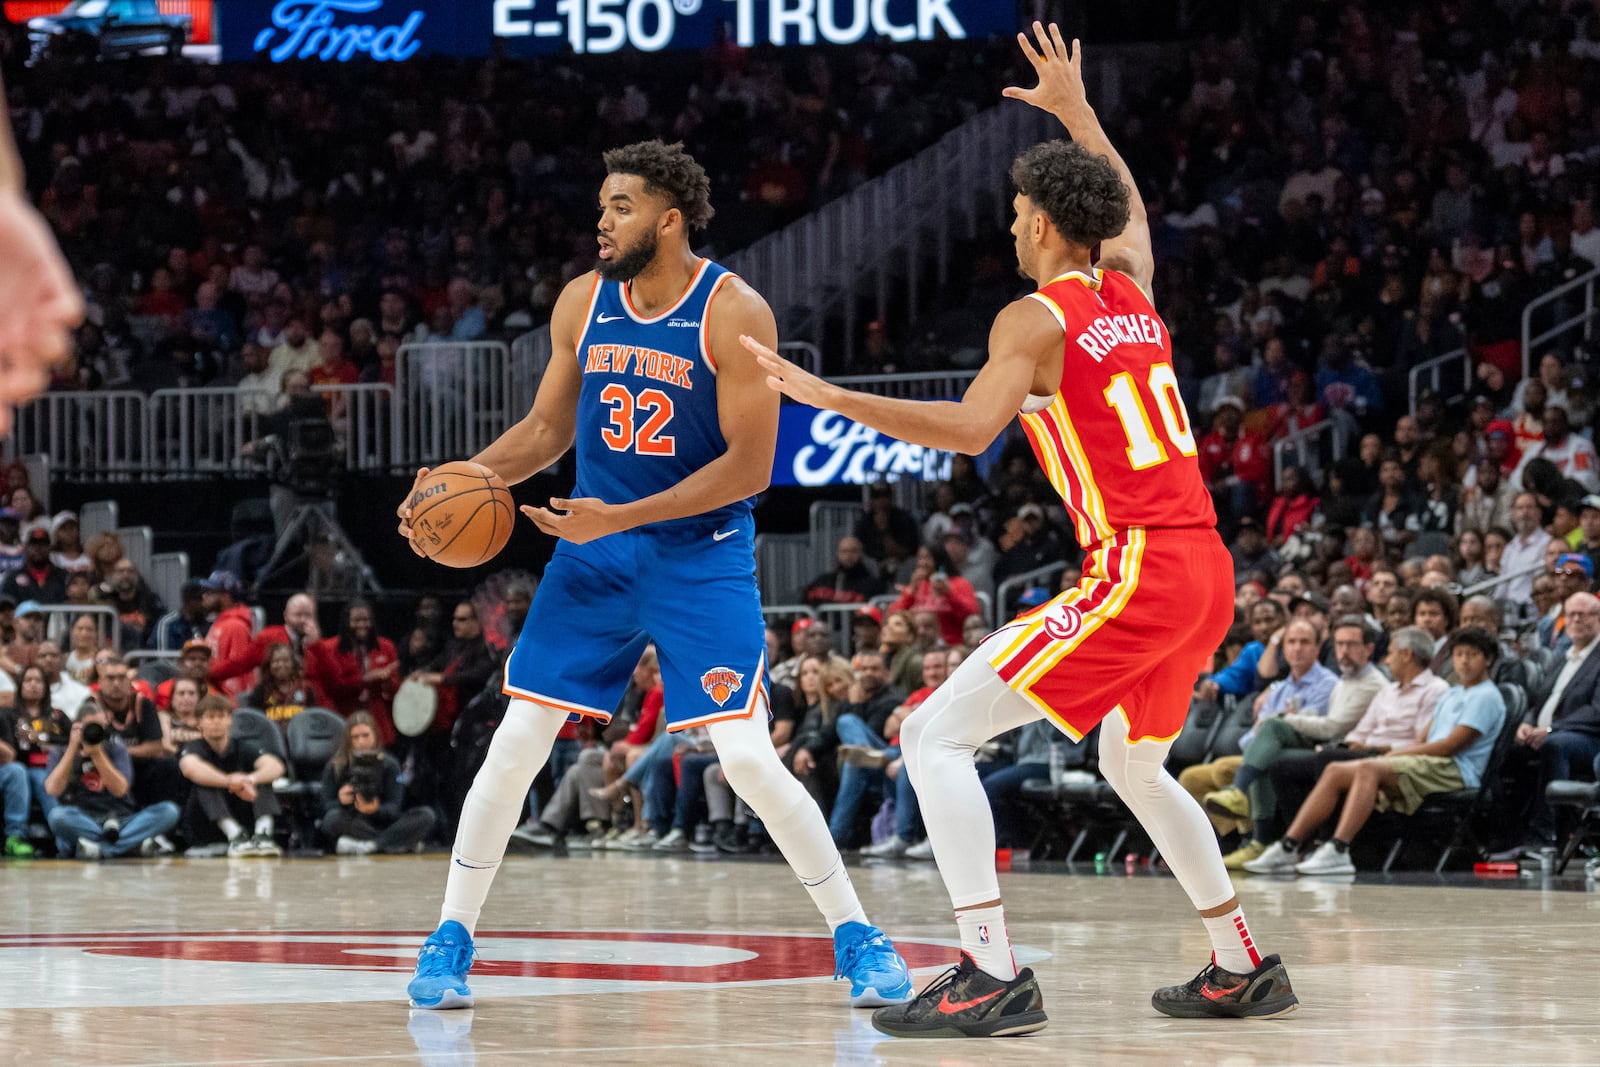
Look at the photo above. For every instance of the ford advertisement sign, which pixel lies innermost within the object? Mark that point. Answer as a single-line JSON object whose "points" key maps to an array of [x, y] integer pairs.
{"points": [[825, 448], [392, 31]]}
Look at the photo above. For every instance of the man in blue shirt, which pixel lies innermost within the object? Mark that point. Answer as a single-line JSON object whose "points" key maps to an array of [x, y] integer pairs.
{"points": [[1453, 754]]}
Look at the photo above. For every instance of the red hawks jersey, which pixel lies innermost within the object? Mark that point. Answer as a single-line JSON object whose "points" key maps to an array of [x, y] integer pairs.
{"points": [[1115, 440]]}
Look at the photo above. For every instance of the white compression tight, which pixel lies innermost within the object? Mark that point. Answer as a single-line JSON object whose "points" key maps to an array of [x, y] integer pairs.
{"points": [[941, 739], [792, 819], [521, 746]]}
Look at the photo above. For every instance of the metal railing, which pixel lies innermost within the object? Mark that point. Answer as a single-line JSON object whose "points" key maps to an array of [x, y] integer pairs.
{"points": [[58, 620], [100, 434], [1562, 303], [934, 385], [1315, 448], [454, 398], [168, 571], [1012, 588], [1434, 370]]}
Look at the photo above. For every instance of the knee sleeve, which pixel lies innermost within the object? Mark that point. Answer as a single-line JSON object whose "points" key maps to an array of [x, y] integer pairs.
{"points": [[751, 765], [521, 746]]}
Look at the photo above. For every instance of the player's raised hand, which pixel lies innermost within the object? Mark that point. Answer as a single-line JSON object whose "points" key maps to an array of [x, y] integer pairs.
{"points": [[42, 304], [404, 511], [586, 519], [1060, 72], [784, 376]]}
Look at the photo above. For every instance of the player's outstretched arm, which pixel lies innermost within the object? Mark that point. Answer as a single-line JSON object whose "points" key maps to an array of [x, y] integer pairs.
{"points": [[1060, 91], [1023, 335], [747, 412]]}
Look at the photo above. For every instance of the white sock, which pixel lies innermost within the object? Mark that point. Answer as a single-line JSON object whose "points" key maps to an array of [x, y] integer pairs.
{"points": [[521, 746], [1231, 942], [984, 938], [792, 819], [264, 826], [230, 828]]}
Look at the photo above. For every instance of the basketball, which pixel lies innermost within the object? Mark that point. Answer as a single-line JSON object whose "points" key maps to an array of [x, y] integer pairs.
{"points": [[461, 514]]}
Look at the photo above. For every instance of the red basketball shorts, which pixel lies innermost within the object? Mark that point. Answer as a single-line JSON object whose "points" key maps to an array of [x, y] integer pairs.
{"points": [[1134, 634]]}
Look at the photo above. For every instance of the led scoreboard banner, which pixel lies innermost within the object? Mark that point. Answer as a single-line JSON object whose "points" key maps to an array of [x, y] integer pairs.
{"points": [[339, 31]]}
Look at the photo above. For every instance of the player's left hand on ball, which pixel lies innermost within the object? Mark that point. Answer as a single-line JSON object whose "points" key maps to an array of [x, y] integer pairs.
{"points": [[784, 376], [586, 519]]}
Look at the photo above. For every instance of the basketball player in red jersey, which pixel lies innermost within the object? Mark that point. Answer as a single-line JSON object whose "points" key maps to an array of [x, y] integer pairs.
{"points": [[1088, 363], [40, 304]]}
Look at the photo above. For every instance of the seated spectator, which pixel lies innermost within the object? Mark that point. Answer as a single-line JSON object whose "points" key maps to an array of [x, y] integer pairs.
{"points": [[283, 692], [579, 796], [1235, 462], [1572, 454], [1561, 733], [1524, 553], [1239, 677], [1469, 556], [866, 628], [728, 815], [935, 669], [104, 549], [627, 750], [852, 580], [950, 598], [899, 648], [1437, 612], [1027, 542], [135, 720], [66, 693], [231, 633], [1305, 692], [810, 757], [970, 556], [194, 661], [1573, 573], [92, 779], [1392, 510], [861, 722], [356, 670], [1251, 796], [810, 637], [1451, 756], [41, 729], [37, 578], [15, 792], [1486, 500], [458, 673], [231, 787], [299, 630], [187, 622], [363, 797], [1294, 506], [83, 644], [66, 546], [137, 606], [1251, 552]]}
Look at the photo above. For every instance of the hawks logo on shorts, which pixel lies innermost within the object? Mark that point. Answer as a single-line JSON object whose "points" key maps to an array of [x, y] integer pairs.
{"points": [[1063, 621], [720, 683]]}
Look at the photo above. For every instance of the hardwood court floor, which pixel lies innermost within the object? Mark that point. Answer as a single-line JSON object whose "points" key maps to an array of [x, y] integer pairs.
{"points": [[617, 959]]}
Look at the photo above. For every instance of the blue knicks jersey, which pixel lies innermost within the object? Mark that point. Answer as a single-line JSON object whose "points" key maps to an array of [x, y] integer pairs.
{"points": [[647, 412]]}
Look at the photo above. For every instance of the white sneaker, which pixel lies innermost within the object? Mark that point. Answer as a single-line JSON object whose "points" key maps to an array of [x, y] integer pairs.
{"points": [[1275, 860], [641, 842], [892, 847], [922, 850], [241, 846], [675, 841], [536, 834], [88, 850], [1326, 860], [354, 846], [263, 845]]}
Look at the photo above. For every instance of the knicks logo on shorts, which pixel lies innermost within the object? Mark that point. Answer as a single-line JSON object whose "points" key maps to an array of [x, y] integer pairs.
{"points": [[1063, 622], [720, 683]]}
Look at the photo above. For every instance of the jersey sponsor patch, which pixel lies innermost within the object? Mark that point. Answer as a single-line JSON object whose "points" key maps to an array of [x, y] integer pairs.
{"points": [[720, 683]]}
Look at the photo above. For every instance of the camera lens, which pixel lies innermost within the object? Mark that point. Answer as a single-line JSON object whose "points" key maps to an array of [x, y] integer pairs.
{"points": [[93, 733]]}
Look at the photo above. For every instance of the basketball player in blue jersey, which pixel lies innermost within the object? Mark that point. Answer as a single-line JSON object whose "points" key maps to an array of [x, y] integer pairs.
{"points": [[675, 431]]}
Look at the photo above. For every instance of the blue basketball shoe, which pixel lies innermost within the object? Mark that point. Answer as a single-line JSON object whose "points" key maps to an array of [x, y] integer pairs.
{"points": [[442, 966], [865, 955]]}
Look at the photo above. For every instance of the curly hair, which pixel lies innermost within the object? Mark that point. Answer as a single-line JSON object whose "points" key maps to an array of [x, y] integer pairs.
{"points": [[1081, 193], [667, 171]]}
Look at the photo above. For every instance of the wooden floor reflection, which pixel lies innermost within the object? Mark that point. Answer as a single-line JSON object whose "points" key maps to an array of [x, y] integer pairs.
{"points": [[616, 959]]}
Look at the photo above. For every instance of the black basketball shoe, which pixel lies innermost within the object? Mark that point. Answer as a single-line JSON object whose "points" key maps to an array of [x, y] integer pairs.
{"points": [[1216, 993], [967, 1002]]}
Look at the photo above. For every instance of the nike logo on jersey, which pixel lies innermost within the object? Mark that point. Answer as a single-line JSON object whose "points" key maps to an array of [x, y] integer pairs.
{"points": [[723, 535], [1108, 331], [607, 318]]}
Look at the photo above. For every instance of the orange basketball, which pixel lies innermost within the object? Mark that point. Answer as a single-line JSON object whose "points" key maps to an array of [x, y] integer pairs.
{"points": [[462, 514]]}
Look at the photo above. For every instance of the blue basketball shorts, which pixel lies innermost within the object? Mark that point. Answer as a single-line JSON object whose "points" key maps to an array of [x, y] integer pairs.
{"points": [[688, 587]]}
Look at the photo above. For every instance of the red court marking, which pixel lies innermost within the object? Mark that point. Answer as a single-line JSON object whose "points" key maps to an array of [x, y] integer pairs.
{"points": [[777, 956]]}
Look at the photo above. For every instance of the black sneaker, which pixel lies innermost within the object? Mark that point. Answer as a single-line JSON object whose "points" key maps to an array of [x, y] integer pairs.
{"points": [[1216, 993], [967, 1002]]}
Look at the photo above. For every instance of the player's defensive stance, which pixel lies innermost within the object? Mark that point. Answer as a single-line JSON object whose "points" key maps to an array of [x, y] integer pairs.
{"points": [[1088, 363], [675, 432]]}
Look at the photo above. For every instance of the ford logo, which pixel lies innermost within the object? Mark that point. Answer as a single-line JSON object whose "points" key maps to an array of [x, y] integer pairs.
{"points": [[309, 33]]}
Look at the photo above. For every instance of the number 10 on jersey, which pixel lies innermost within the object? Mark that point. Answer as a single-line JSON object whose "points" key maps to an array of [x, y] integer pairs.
{"points": [[1144, 448]]}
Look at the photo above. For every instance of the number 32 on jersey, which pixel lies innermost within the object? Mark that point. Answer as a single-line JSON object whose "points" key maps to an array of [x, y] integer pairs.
{"points": [[637, 421], [1145, 450]]}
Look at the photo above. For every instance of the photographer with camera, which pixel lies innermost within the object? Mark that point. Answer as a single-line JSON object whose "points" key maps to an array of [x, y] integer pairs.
{"points": [[362, 786], [232, 787], [97, 817]]}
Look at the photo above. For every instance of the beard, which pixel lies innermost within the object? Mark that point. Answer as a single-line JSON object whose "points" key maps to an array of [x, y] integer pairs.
{"points": [[625, 266]]}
